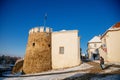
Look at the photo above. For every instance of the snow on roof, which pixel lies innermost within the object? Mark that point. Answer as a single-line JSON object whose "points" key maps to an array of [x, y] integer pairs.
{"points": [[115, 26], [95, 39], [63, 30]]}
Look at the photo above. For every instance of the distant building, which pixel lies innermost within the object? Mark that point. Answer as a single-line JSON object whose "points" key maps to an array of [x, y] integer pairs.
{"points": [[48, 50], [93, 46], [83, 56], [110, 49]]}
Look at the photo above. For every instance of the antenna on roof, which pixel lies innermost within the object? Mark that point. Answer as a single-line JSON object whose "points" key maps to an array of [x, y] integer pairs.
{"points": [[45, 18]]}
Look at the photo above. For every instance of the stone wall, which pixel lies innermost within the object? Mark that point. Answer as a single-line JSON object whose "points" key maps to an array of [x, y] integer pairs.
{"points": [[18, 66], [38, 53]]}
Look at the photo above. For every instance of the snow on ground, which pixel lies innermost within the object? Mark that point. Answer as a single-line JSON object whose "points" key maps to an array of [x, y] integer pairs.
{"points": [[111, 77], [108, 63], [70, 72], [58, 74], [81, 67], [111, 69], [45, 77], [111, 63], [48, 77]]}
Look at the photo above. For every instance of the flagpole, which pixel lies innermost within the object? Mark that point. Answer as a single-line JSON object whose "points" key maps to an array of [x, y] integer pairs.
{"points": [[45, 18]]}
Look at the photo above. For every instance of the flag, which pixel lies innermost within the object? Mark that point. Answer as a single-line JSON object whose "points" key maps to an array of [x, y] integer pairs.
{"points": [[45, 18]]}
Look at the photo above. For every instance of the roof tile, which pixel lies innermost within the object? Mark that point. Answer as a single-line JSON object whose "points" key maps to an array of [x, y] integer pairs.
{"points": [[117, 25]]}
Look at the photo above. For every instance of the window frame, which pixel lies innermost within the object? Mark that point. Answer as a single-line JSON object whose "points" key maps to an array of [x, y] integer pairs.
{"points": [[61, 50], [95, 45]]}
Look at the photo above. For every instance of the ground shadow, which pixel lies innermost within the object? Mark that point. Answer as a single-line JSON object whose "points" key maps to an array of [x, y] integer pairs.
{"points": [[90, 76], [86, 60], [108, 66], [111, 65]]}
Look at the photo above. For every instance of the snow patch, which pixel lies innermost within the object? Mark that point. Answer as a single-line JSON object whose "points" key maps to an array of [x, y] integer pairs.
{"points": [[110, 77]]}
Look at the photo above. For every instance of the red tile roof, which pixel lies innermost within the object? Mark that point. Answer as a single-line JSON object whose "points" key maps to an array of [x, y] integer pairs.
{"points": [[117, 25]]}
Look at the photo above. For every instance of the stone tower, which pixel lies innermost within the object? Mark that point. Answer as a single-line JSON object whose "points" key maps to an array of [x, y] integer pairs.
{"points": [[38, 51]]}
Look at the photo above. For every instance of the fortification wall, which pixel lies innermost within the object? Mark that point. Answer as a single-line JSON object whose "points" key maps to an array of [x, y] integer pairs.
{"points": [[38, 51], [18, 66]]}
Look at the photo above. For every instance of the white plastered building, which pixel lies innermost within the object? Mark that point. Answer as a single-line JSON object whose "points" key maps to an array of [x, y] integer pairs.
{"points": [[65, 49], [93, 46]]}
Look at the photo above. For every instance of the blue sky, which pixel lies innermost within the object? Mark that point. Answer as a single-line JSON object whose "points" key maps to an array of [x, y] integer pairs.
{"points": [[90, 17]]}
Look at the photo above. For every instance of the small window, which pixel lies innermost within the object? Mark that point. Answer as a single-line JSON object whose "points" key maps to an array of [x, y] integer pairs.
{"points": [[33, 44], [61, 50], [49, 45], [104, 45], [94, 45]]}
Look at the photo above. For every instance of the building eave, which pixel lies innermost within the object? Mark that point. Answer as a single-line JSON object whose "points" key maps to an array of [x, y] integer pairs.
{"points": [[109, 30], [65, 31]]}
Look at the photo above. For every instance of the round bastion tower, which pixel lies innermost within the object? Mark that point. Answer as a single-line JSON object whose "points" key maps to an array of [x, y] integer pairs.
{"points": [[38, 51]]}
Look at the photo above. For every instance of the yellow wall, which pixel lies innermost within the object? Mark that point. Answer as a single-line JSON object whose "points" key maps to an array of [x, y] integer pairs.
{"points": [[70, 41], [113, 46], [103, 54], [38, 56]]}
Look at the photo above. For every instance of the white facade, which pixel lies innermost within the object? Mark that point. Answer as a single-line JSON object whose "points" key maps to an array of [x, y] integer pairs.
{"points": [[110, 49], [65, 49], [93, 46]]}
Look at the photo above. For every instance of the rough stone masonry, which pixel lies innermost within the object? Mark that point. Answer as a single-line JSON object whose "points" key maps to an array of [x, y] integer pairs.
{"points": [[38, 52]]}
